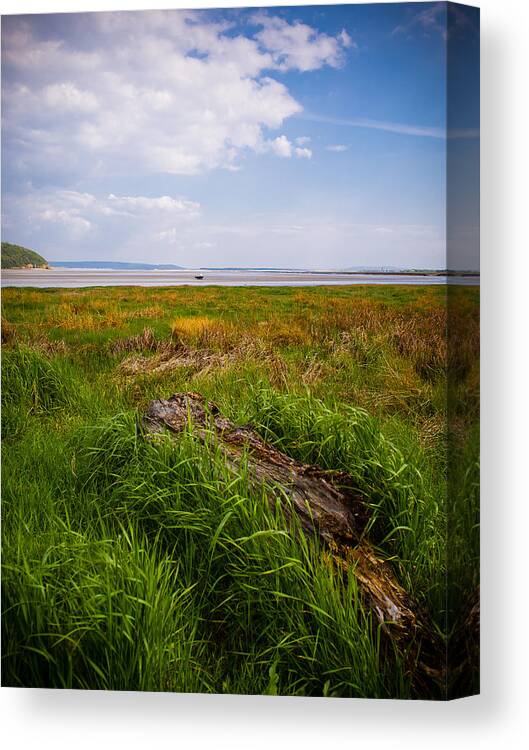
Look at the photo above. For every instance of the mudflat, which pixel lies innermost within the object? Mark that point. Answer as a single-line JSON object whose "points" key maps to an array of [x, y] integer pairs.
{"points": [[74, 277]]}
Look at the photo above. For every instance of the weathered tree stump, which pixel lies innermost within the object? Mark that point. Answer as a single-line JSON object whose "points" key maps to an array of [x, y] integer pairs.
{"points": [[326, 504]]}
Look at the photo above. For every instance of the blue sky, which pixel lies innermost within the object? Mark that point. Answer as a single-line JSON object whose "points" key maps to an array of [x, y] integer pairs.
{"points": [[288, 137]]}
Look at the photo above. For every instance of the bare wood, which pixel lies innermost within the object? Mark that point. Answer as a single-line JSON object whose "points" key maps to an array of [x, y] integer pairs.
{"points": [[327, 504]]}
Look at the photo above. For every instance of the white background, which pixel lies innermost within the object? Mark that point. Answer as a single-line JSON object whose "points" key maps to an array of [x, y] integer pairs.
{"points": [[500, 716]]}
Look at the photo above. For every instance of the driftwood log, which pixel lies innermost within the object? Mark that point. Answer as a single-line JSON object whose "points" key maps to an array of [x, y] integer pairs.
{"points": [[327, 504]]}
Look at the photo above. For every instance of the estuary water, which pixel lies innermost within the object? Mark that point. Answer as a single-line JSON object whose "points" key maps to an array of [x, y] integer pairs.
{"points": [[81, 277]]}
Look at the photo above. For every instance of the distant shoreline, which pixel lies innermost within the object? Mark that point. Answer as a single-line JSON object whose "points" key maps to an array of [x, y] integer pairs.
{"points": [[162, 267]]}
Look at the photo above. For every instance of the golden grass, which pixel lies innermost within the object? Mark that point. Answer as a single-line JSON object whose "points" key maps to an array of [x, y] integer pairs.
{"points": [[204, 331], [385, 350], [278, 332], [85, 316], [9, 332]]}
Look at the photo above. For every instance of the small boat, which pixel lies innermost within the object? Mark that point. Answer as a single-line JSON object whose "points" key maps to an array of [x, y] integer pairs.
{"points": [[199, 276]]}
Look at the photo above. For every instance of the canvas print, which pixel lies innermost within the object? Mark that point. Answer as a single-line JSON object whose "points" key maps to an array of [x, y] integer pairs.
{"points": [[240, 351]]}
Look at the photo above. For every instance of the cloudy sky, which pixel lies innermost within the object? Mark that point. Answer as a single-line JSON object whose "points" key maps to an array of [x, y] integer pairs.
{"points": [[307, 137]]}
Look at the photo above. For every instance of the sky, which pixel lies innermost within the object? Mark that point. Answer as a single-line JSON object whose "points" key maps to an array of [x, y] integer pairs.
{"points": [[302, 137]]}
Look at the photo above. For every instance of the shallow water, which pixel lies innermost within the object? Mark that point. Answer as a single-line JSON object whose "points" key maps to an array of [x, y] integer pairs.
{"points": [[75, 277]]}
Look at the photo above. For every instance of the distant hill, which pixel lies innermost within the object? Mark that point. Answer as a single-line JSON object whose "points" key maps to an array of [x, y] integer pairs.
{"points": [[114, 264], [16, 256]]}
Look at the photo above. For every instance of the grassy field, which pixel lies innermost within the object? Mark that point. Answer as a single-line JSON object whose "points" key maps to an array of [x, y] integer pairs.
{"points": [[138, 566]]}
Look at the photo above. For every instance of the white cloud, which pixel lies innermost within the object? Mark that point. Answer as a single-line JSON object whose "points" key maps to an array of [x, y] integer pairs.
{"points": [[437, 19], [281, 146], [303, 140], [136, 205], [298, 46], [76, 224], [67, 97], [66, 216], [170, 236], [172, 90], [337, 147], [166, 229], [345, 39], [68, 209], [422, 131]]}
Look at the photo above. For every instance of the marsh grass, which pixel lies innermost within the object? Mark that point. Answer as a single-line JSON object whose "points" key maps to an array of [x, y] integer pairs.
{"points": [[133, 564]]}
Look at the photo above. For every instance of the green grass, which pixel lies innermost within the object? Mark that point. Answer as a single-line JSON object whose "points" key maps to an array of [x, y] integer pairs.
{"points": [[139, 566]]}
